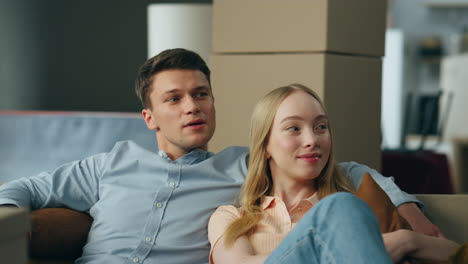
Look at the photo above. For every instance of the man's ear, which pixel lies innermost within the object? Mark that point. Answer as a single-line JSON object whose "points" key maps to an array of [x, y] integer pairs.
{"points": [[149, 119]]}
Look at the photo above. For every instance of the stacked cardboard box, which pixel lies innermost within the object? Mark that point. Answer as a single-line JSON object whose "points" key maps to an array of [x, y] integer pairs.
{"points": [[332, 46]]}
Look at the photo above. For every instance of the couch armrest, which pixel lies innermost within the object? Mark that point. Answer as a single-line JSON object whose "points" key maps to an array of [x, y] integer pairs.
{"points": [[448, 212], [58, 233]]}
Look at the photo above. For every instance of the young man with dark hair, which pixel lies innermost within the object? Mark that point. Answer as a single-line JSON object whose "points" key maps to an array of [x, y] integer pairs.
{"points": [[154, 207]]}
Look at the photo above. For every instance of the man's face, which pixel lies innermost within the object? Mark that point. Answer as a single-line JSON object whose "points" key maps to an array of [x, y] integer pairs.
{"points": [[182, 111]]}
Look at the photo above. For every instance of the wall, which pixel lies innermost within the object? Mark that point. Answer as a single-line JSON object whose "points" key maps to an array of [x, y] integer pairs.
{"points": [[71, 55], [20, 55], [417, 20]]}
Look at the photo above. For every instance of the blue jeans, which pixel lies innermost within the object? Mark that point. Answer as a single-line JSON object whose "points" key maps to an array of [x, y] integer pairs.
{"points": [[341, 228]]}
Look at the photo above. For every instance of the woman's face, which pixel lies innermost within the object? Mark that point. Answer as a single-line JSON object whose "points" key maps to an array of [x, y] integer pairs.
{"points": [[299, 143]]}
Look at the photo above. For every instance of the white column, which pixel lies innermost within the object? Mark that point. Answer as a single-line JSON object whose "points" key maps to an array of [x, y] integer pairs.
{"points": [[180, 25], [392, 89]]}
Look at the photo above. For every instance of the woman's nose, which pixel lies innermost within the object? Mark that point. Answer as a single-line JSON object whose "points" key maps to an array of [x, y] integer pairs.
{"points": [[310, 139]]}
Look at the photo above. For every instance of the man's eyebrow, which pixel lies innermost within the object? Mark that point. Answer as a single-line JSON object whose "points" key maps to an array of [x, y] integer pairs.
{"points": [[201, 87], [296, 117], [198, 88], [173, 91]]}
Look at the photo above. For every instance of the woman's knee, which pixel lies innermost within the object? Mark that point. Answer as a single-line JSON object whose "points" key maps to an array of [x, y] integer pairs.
{"points": [[341, 204], [341, 199]]}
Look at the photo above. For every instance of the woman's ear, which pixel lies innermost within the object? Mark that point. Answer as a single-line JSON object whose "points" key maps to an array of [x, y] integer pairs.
{"points": [[267, 155], [149, 119]]}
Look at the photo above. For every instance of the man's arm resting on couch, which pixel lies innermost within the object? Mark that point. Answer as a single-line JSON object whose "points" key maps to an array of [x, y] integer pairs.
{"points": [[418, 221], [407, 204]]}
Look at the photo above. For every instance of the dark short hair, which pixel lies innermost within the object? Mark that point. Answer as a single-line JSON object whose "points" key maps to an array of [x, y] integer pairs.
{"points": [[170, 59]]}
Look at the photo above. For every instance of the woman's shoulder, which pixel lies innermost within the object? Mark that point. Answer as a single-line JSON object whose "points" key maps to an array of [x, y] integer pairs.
{"points": [[228, 210], [220, 220]]}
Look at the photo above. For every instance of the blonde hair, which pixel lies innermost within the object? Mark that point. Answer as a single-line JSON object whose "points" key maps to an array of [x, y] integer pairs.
{"points": [[259, 182]]}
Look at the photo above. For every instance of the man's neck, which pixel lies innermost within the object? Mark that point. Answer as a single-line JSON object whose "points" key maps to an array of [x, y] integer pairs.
{"points": [[176, 154]]}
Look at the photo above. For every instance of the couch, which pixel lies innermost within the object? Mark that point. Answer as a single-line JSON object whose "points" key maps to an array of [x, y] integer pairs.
{"points": [[449, 212], [39, 141]]}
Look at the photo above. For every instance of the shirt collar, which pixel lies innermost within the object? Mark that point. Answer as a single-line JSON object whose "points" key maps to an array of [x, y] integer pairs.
{"points": [[194, 156], [269, 200]]}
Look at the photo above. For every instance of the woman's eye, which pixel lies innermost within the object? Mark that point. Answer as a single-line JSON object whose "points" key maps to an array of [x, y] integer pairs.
{"points": [[322, 127], [293, 128]]}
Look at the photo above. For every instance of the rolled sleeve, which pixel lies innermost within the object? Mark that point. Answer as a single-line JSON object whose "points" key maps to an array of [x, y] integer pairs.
{"points": [[219, 222], [73, 185], [356, 172]]}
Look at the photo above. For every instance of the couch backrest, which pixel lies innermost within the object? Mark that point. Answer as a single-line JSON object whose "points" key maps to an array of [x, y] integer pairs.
{"points": [[449, 213], [32, 142]]}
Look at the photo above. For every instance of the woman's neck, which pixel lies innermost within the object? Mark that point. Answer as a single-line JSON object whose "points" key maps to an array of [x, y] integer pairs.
{"points": [[292, 192]]}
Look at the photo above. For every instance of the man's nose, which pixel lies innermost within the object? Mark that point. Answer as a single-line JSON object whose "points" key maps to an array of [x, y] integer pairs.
{"points": [[191, 105]]}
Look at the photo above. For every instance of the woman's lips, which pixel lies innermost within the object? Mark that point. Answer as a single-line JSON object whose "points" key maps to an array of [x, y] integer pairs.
{"points": [[310, 157]]}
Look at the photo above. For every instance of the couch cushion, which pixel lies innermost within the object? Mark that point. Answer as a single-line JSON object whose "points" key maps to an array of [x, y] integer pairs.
{"points": [[381, 205], [32, 142]]}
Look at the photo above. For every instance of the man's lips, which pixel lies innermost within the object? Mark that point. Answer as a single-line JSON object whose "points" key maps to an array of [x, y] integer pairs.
{"points": [[195, 123]]}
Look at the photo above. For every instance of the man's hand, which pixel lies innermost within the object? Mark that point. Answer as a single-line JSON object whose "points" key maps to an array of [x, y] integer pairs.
{"points": [[418, 221]]}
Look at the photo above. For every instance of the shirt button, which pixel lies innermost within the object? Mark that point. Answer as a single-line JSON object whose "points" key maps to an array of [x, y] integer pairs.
{"points": [[148, 239], [135, 260], [172, 184], [158, 205]]}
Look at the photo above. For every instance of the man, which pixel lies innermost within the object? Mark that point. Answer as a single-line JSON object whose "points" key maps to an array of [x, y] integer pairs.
{"points": [[154, 207]]}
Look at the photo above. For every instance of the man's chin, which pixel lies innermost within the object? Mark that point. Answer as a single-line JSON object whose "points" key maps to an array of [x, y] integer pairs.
{"points": [[198, 140], [197, 144]]}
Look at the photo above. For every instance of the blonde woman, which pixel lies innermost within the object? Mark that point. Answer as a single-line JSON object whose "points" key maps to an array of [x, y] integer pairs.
{"points": [[291, 169]]}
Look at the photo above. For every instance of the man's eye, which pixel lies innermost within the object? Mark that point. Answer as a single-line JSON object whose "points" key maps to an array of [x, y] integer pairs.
{"points": [[201, 94], [173, 99]]}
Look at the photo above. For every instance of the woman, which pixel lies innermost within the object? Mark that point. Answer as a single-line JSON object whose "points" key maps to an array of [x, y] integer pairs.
{"points": [[291, 168]]}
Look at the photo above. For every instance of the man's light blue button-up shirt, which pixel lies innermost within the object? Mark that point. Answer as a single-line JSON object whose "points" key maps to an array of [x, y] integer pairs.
{"points": [[146, 207]]}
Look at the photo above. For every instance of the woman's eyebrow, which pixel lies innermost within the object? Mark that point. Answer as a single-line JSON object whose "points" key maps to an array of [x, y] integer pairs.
{"points": [[320, 117], [294, 117]]}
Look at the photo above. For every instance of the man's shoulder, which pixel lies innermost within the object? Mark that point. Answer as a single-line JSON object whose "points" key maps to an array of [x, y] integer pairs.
{"points": [[348, 165], [234, 150], [130, 147], [232, 160], [125, 151], [233, 153]]}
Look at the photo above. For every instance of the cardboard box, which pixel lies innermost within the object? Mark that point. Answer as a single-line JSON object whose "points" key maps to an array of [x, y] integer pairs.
{"points": [[14, 225], [460, 166], [341, 26], [350, 87]]}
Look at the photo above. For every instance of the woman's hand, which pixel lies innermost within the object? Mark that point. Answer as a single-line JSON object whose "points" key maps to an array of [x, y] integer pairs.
{"points": [[240, 252], [398, 244], [402, 243]]}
